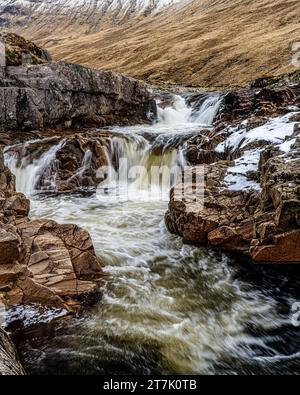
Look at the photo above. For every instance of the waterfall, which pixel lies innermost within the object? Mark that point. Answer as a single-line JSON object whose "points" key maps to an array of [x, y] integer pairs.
{"points": [[177, 114], [136, 171], [143, 161], [28, 172], [181, 113], [208, 110]]}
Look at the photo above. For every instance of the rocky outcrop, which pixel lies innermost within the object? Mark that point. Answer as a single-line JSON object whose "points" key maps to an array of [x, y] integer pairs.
{"points": [[256, 104], [278, 237], [251, 166], [21, 52], [9, 361], [42, 261], [200, 148], [67, 162], [60, 95]]}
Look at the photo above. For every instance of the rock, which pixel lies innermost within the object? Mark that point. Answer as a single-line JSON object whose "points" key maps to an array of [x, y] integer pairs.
{"points": [[9, 273], [200, 149], [9, 247], [27, 290], [17, 205], [78, 161], [42, 261], [9, 361], [59, 257], [285, 249], [73, 163], [60, 95], [219, 219], [260, 216], [245, 103], [236, 221]]}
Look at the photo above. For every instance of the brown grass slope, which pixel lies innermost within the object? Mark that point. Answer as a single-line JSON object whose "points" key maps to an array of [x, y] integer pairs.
{"points": [[207, 43]]}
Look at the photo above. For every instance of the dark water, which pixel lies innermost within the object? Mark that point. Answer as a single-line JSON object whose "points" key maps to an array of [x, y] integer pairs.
{"points": [[166, 307]]}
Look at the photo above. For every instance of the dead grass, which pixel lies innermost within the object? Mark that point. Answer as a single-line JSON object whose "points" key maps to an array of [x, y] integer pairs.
{"points": [[207, 43]]}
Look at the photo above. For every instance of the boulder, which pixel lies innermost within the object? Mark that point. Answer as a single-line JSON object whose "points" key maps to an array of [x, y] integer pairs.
{"points": [[258, 216], [42, 261], [59, 94]]}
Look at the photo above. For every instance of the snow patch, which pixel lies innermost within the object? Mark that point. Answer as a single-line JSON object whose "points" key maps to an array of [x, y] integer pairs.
{"points": [[29, 315], [287, 145], [236, 178], [275, 131]]}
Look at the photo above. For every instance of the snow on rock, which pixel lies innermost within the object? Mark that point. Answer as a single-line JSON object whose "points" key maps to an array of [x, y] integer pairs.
{"points": [[30, 314], [286, 146], [275, 131], [236, 178]]}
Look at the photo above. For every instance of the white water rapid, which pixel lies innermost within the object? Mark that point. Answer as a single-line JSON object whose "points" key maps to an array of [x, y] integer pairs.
{"points": [[28, 171], [167, 307]]}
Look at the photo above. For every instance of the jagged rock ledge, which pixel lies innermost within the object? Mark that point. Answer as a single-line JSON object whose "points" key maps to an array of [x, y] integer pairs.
{"points": [[42, 261], [251, 162], [59, 94]]}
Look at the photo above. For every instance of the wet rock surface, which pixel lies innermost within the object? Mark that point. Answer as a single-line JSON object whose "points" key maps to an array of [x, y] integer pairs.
{"points": [[251, 164]]}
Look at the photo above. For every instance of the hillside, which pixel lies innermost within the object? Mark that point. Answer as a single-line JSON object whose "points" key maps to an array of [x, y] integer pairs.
{"points": [[207, 43]]}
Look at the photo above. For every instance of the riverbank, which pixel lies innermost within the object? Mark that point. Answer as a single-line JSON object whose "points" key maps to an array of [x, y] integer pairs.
{"points": [[251, 166]]}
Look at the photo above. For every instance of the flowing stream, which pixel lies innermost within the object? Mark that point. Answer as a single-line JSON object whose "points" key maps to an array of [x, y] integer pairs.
{"points": [[166, 307]]}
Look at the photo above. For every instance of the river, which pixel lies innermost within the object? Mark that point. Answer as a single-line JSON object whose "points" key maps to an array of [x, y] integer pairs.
{"points": [[166, 307]]}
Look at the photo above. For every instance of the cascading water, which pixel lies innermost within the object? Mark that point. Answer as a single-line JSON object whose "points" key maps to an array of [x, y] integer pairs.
{"points": [[166, 307], [208, 110], [130, 145], [136, 171], [28, 172], [182, 115], [178, 114]]}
